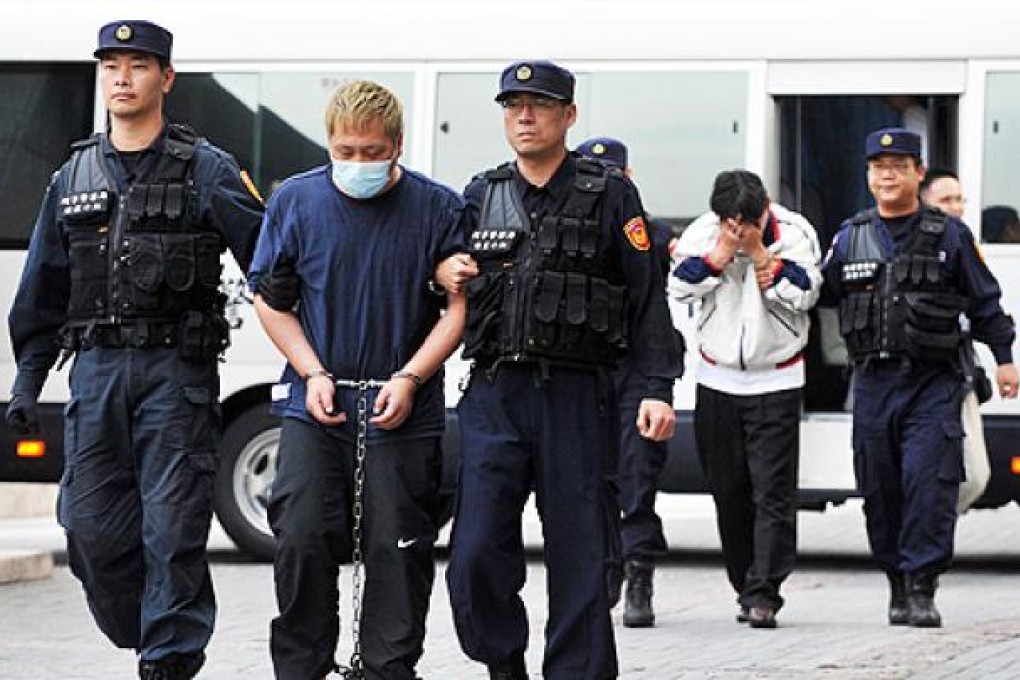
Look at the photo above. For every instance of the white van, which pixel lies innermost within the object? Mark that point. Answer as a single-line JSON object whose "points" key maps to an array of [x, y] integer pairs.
{"points": [[787, 89]]}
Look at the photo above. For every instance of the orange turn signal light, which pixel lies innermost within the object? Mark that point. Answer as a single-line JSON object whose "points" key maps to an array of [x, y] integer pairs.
{"points": [[31, 448], [1014, 465]]}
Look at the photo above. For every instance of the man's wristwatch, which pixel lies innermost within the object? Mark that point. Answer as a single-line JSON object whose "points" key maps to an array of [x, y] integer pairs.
{"points": [[413, 377]]}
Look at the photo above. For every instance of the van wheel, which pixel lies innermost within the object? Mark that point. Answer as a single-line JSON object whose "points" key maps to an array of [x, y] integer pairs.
{"points": [[248, 454]]}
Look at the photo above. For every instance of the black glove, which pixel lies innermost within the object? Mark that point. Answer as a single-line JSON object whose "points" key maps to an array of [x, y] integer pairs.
{"points": [[23, 411], [23, 414]]}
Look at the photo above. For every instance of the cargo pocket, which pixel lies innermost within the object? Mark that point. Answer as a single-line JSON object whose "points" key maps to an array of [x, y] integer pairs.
{"points": [[951, 461]]}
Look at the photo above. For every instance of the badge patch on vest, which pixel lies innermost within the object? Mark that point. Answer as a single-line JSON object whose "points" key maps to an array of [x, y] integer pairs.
{"points": [[637, 233], [250, 186]]}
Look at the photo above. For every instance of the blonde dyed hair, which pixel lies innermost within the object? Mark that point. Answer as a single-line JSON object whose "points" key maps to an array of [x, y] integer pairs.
{"points": [[357, 102]]}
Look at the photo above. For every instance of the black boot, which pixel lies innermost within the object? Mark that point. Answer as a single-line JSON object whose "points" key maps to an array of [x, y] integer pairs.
{"points": [[637, 611], [899, 613], [921, 601], [509, 670]]}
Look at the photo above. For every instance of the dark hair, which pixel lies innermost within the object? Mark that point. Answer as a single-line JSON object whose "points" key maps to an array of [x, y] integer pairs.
{"points": [[933, 174], [738, 192], [994, 221]]}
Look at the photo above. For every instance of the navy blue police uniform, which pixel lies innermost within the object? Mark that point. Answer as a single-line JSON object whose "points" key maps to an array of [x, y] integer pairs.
{"points": [[635, 475], [123, 270], [901, 284], [567, 285], [364, 303]]}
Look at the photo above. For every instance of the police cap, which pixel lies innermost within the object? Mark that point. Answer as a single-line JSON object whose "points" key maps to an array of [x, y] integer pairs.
{"points": [[605, 149], [135, 36], [538, 77], [892, 141]]}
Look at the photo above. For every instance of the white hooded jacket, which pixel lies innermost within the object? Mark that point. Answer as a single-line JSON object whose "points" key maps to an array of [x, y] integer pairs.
{"points": [[742, 327]]}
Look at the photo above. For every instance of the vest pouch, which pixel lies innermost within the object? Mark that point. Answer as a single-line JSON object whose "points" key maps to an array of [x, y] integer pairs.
{"points": [[928, 346], [863, 316], [589, 241], [846, 314], [207, 260], [143, 256], [135, 204], [154, 201], [937, 312], [547, 292], [142, 273], [178, 261], [901, 269], [89, 262], [576, 309], [571, 236], [574, 332], [548, 236], [598, 306], [923, 270], [485, 299], [174, 205]]}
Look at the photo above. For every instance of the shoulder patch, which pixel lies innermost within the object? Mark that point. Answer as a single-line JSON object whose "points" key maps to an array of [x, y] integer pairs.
{"points": [[250, 186], [637, 233]]}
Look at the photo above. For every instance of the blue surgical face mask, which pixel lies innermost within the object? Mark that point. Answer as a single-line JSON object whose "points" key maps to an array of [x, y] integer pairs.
{"points": [[360, 179]]}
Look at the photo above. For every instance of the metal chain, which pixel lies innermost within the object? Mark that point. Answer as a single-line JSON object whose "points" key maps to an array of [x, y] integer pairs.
{"points": [[356, 670]]}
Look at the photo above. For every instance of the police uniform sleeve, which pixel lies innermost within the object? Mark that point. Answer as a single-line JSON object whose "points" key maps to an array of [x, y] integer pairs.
{"points": [[832, 269], [230, 202], [653, 350], [988, 322], [451, 221], [474, 193], [39, 309]]}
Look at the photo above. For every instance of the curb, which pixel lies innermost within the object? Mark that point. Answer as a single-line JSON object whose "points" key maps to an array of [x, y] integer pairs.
{"points": [[25, 565]]}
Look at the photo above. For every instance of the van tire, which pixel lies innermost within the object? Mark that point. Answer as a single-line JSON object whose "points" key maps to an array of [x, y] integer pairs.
{"points": [[248, 454]]}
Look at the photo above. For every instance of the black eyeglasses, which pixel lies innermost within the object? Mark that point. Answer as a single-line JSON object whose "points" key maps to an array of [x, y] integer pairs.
{"points": [[536, 102]]}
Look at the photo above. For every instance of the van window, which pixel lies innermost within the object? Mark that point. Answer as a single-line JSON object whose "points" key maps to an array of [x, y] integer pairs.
{"points": [[681, 129], [1000, 193], [273, 122], [43, 108]]}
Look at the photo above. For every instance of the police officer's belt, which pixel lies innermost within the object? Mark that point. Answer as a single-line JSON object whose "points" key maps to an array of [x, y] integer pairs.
{"points": [[138, 334]]}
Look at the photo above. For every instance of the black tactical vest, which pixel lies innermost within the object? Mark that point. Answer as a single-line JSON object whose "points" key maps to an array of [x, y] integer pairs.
{"points": [[143, 257], [545, 291], [903, 308]]}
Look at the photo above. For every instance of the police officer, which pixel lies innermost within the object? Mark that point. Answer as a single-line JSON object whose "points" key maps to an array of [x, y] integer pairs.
{"points": [[901, 274], [567, 284], [123, 270], [640, 460]]}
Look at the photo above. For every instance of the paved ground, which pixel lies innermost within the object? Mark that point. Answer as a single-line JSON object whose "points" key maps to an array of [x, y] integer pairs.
{"points": [[832, 627]]}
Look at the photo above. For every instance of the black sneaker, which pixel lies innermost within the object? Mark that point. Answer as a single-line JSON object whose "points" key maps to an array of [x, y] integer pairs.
{"points": [[743, 615]]}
